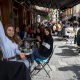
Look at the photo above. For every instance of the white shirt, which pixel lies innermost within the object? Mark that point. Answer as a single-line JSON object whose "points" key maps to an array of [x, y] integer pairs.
{"points": [[25, 35], [9, 49]]}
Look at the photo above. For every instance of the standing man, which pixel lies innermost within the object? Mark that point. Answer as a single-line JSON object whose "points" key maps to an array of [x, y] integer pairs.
{"points": [[75, 25]]}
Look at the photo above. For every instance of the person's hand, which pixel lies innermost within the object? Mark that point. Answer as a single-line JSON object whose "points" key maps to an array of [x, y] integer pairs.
{"points": [[38, 38], [22, 55], [21, 42]]}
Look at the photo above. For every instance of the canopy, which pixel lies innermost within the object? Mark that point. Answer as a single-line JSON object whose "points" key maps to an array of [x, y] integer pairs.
{"points": [[59, 4]]}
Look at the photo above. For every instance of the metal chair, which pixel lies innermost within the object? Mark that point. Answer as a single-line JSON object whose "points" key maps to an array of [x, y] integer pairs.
{"points": [[44, 63], [70, 39]]}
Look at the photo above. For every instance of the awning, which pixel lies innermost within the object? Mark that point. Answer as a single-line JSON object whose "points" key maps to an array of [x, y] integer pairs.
{"points": [[26, 3], [59, 4]]}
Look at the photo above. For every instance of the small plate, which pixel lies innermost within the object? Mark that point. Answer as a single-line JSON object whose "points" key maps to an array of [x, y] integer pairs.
{"points": [[28, 53]]}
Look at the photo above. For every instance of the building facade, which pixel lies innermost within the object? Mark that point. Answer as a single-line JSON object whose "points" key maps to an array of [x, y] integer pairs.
{"points": [[12, 12], [73, 12]]}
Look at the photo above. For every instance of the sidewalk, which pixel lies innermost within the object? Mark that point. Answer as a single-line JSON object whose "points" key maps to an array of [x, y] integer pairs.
{"points": [[65, 63]]}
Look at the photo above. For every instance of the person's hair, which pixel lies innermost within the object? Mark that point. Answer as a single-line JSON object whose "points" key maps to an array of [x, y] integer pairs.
{"points": [[44, 37], [17, 33], [28, 24], [39, 29], [23, 27], [42, 28], [15, 38]]}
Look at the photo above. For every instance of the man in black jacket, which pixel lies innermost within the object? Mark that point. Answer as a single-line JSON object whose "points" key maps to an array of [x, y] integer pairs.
{"points": [[24, 33]]}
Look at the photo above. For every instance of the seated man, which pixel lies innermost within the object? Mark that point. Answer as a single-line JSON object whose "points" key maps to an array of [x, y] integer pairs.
{"points": [[24, 33]]}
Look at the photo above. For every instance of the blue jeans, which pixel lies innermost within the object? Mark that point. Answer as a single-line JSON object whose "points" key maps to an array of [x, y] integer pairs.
{"points": [[36, 55], [25, 62]]}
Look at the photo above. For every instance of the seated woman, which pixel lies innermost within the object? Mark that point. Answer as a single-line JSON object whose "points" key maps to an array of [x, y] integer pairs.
{"points": [[18, 36], [29, 28], [9, 45], [33, 35], [38, 32], [45, 49]]}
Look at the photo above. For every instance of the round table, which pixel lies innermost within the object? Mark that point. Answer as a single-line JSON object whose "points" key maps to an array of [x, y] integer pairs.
{"points": [[28, 46]]}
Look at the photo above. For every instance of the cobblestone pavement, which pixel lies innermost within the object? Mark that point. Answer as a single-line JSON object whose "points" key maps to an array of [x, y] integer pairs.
{"points": [[65, 63]]}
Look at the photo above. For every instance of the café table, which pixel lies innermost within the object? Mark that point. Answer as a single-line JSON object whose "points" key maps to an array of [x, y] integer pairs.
{"points": [[70, 37], [28, 47]]}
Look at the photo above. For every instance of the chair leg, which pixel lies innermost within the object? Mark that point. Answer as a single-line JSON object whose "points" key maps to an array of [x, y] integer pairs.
{"points": [[33, 72], [41, 69], [38, 70], [49, 67], [45, 69], [46, 72]]}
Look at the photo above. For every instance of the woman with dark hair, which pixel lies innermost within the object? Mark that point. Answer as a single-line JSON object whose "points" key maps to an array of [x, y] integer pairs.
{"points": [[17, 30], [42, 28], [33, 34], [29, 28], [46, 46], [38, 33], [9, 44], [18, 36]]}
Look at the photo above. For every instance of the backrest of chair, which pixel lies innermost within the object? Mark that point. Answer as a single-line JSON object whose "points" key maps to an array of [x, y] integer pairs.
{"points": [[51, 54], [53, 49], [46, 60]]}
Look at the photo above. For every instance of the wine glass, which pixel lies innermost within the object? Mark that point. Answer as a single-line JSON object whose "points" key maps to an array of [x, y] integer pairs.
{"points": [[28, 35]]}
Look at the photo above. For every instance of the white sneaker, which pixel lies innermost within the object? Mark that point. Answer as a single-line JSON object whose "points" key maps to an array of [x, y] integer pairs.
{"points": [[39, 67], [32, 67]]}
